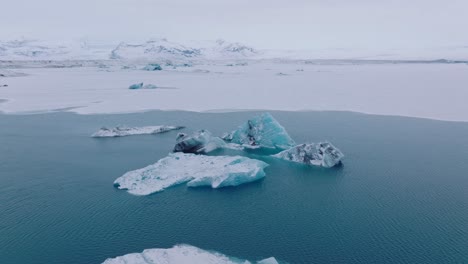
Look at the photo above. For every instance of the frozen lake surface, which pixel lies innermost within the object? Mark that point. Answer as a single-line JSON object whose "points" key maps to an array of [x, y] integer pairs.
{"points": [[431, 90]]}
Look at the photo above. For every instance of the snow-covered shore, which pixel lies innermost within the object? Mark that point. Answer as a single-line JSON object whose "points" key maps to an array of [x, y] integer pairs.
{"points": [[436, 91]]}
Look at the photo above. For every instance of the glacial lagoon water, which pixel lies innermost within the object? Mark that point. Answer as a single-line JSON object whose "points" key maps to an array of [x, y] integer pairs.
{"points": [[401, 195]]}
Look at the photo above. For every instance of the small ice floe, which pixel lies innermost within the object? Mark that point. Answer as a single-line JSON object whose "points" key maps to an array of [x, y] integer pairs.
{"points": [[261, 131], [142, 86], [196, 170], [282, 74], [121, 131], [181, 254], [322, 154], [152, 67], [201, 141]]}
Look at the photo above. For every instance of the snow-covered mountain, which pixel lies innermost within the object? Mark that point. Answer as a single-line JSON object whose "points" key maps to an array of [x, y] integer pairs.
{"points": [[161, 49], [233, 49], [164, 49], [30, 49], [154, 49], [27, 49]]}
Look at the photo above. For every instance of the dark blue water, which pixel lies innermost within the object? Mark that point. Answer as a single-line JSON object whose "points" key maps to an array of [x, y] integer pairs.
{"points": [[400, 197]]}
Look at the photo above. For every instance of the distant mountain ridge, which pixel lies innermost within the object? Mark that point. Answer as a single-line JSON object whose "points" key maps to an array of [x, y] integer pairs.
{"points": [[161, 48]]}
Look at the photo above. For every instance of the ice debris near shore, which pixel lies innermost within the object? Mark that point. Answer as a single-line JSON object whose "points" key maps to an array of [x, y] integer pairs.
{"points": [[142, 86], [196, 170], [121, 131], [322, 154], [261, 131], [181, 254], [201, 141]]}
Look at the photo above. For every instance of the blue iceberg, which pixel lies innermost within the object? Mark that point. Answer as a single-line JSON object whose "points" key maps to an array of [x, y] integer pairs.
{"points": [[322, 154], [136, 86], [201, 141], [142, 86], [153, 67], [196, 170], [261, 131]]}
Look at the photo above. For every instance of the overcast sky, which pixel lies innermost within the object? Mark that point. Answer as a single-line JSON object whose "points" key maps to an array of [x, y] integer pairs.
{"points": [[290, 24]]}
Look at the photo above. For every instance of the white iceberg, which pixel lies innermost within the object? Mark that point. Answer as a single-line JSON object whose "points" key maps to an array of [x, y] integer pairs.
{"points": [[261, 131], [201, 141], [322, 154], [181, 254], [121, 131], [197, 170]]}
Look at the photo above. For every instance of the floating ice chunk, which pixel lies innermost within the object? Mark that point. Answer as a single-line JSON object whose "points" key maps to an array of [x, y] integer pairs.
{"points": [[198, 142], [136, 86], [121, 131], [197, 170], [142, 86], [320, 154], [181, 254], [261, 131], [152, 67]]}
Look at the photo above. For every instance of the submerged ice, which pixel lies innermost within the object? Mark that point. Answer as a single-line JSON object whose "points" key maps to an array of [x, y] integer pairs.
{"points": [[121, 131], [261, 131], [181, 254], [196, 170], [201, 141], [318, 154]]}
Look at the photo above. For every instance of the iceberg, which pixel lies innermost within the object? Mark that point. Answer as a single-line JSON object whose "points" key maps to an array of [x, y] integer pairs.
{"points": [[196, 170], [181, 254], [142, 86], [261, 131], [121, 131], [152, 67], [201, 141], [136, 86], [322, 154]]}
